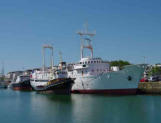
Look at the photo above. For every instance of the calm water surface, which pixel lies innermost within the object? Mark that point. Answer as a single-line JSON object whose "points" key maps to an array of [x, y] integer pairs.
{"points": [[30, 107]]}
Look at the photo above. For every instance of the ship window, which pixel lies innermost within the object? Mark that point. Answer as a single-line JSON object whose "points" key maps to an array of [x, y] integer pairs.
{"points": [[80, 62], [91, 61], [129, 78], [88, 62], [94, 61], [85, 62]]}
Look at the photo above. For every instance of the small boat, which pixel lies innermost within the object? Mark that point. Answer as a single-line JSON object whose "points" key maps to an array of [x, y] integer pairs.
{"points": [[22, 83], [3, 83]]}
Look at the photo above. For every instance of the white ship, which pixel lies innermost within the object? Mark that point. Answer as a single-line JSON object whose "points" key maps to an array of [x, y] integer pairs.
{"points": [[51, 79], [93, 75]]}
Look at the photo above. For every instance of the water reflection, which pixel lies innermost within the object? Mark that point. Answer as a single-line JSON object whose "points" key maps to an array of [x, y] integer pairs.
{"points": [[58, 98], [39, 108], [115, 109]]}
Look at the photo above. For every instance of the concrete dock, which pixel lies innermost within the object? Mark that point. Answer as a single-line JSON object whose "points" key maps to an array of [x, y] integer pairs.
{"points": [[149, 88]]}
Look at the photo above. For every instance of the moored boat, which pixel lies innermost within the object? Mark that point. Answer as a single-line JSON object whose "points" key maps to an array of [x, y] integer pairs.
{"points": [[51, 82], [93, 75], [52, 79], [22, 83], [57, 86]]}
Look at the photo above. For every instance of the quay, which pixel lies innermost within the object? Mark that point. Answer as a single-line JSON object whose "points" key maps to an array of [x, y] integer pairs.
{"points": [[149, 88]]}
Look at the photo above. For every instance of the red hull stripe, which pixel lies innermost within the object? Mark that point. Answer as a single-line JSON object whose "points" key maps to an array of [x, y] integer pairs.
{"points": [[112, 91], [22, 88]]}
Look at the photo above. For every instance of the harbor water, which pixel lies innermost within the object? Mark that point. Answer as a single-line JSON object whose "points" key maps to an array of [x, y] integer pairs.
{"points": [[30, 107]]}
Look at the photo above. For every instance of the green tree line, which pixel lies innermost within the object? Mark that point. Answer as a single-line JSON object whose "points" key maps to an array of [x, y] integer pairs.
{"points": [[155, 71], [119, 63]]}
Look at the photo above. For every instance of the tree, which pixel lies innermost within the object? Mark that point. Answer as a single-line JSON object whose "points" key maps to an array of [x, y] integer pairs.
{"points": [[119, 63], [155, 71]]}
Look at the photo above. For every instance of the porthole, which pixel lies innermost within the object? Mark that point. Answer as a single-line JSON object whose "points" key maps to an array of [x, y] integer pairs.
{"points": [[129, 78]]}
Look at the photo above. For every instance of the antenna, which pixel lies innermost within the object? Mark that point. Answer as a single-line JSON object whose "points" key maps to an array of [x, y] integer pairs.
{"points": [[60, 56], [2, 72], [144, 57], [86, 27]]}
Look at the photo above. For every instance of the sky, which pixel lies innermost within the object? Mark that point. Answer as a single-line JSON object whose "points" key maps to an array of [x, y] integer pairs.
{"points": [[125, 29]]}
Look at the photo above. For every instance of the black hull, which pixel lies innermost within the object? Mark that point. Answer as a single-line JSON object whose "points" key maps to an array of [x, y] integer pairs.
{"points": [[26, 86], [58, 86]]}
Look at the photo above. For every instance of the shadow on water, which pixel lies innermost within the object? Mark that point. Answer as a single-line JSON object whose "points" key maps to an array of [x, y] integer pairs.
{"points": [[71, 98], [57, 98]]}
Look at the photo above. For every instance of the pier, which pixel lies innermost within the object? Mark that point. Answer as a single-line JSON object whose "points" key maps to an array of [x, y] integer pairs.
{"points": [[149, 88]]}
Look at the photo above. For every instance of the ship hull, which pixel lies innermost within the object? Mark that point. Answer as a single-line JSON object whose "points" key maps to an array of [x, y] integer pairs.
{"points": [[124, 81], [22, 86], [111, 92], [57, 86]]}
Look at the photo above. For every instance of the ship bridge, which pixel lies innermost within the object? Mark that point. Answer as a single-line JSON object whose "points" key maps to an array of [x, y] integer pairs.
{"points": [[90, 60]]}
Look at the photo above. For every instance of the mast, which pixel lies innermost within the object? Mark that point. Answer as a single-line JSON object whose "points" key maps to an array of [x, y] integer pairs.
{"points": [[51, 55], [85, 38], [43, 55], [2, 72], [2, 75], [60, 56], [61, 61]]}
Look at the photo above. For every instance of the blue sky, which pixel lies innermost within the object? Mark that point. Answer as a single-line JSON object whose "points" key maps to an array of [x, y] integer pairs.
{"points": [[125, 29]]}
